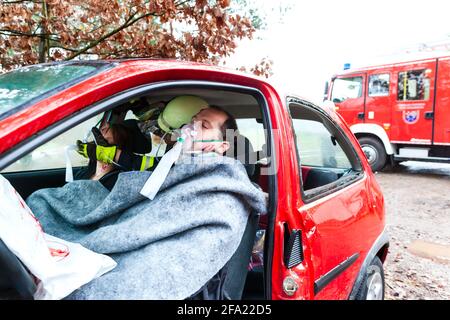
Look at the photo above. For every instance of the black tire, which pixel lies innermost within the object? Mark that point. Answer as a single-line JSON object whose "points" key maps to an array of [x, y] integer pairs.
{"points": [[374, 272], [378, 154]]}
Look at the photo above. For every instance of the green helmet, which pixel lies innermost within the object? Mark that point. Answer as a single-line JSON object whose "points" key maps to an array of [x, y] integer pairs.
{"points": [[180, 111]]}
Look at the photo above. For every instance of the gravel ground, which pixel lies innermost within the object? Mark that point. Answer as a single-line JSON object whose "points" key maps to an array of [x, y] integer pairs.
{"points": [[417, 199]]}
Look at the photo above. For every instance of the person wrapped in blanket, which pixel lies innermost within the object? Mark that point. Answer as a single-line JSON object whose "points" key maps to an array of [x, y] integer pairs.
{"points": [[127, 145]]}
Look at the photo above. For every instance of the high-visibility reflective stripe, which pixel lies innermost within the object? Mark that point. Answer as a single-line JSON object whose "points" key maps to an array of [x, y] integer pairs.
{"points": [[404, 85], [152, 160], [144, 165]]}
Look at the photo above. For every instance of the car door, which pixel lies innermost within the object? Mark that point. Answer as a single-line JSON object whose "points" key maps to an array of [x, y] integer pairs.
{"points": [[335, 205]]}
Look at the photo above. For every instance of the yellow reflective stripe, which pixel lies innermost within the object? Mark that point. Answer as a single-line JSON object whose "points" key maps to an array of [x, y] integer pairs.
{"points": [[147, 164], [404, 85], [143, 163], [85, 151], [152, 160]]}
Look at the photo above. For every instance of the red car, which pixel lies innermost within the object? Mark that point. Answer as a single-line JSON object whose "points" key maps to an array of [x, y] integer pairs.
{"points": [[324, 236]]}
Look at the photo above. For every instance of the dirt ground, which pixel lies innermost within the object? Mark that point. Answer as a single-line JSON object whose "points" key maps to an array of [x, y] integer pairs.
{"points": [[417, 199]]}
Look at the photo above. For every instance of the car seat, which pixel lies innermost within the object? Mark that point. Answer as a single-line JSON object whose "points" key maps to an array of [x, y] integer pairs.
{"points": [[15, 281], [139, 143], [317, 178], [242, 150], [229, 282]]}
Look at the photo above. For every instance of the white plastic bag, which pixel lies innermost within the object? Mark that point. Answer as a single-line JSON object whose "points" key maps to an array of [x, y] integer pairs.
{"points": [[60, 266]]}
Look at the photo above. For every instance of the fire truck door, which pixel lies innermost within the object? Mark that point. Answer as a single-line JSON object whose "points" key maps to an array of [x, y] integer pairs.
{"points": [[378, 99], [348, 96], [413, 97], [442, 106]]}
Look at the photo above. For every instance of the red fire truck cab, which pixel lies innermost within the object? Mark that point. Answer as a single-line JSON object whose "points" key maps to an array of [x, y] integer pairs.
{"points": [[398, 111]]}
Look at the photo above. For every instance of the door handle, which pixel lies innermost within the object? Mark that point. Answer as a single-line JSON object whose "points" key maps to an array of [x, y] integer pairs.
{"points": [[429, 115], [361, 115]]}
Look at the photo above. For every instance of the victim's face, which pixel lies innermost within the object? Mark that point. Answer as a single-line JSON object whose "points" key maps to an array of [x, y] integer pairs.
{"points": [[209, 122]]}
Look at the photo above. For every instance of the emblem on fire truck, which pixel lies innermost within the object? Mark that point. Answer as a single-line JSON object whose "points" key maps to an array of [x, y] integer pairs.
{"points": [[411, 117]]}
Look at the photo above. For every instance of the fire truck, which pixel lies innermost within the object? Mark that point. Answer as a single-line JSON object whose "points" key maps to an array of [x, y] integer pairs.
{"points": [[398, 111]]}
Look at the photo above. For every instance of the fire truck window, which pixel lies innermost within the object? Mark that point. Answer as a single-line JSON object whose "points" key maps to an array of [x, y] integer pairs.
{"points": [[379, 85], [413, 85], [346, 88]]}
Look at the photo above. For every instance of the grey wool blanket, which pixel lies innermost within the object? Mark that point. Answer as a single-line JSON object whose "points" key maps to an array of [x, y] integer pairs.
{"points": [[166, 248]]}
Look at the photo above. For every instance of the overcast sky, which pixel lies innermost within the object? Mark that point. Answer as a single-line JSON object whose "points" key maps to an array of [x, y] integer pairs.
{"points": [[316, 38]]}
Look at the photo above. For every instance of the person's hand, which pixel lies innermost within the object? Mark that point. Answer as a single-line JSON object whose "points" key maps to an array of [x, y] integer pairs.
{"points": [[87, 150]]}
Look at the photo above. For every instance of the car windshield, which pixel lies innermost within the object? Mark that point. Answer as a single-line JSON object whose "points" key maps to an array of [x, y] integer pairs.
{"points": [[21, 86]]}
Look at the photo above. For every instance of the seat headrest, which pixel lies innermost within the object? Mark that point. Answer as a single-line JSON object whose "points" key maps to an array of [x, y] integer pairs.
{"points": [[242, 150], [138, 142]]}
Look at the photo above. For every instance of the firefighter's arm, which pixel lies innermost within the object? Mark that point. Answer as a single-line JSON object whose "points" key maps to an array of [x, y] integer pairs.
{"points": [[130, 161]]}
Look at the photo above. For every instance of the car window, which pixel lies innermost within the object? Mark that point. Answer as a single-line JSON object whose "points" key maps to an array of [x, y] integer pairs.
{"points": [[325, 154], [253, 131], [317, 146], [22, 85], [52, 155]]}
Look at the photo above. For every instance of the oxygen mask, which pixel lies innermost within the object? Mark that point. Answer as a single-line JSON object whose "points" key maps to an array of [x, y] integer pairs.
{"points": [[186, 135]]}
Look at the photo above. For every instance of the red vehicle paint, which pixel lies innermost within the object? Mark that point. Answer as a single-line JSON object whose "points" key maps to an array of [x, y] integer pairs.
{"points": [[395, 124], [340, 225]]}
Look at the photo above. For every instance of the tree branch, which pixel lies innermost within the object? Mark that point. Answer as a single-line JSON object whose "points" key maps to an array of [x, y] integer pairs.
{"points": [[19, 1], [130, 21], [177, 4], [24, 34], [62, 47]]}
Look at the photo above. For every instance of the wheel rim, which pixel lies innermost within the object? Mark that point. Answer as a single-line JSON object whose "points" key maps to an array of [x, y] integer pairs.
{"points": [[375, 287], [370, 152]]}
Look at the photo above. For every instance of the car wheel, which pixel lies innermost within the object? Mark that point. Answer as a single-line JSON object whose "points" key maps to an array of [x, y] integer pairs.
{"points": [[372, 286], [374, 151]]}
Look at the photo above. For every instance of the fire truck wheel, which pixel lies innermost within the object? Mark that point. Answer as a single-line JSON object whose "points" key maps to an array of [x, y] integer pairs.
{"points": [[373, 286], [374, 151]]}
